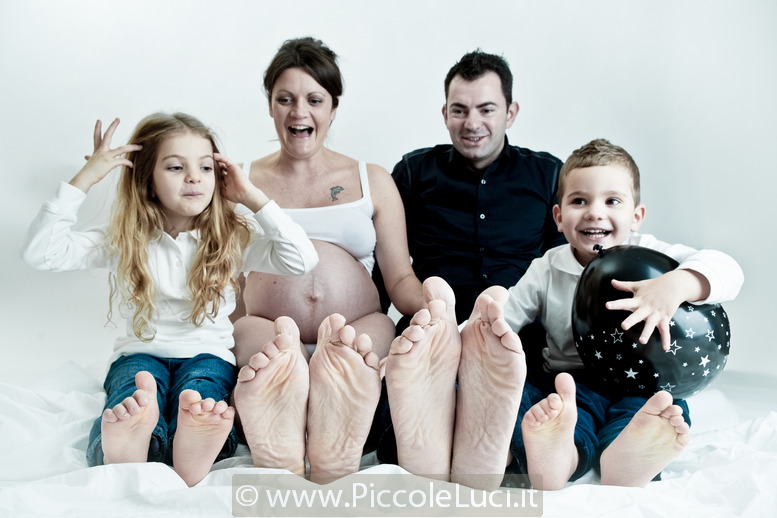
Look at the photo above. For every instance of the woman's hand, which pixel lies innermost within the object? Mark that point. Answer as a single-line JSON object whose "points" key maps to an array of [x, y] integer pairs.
{"points": [[104, 159], [237, 187]]}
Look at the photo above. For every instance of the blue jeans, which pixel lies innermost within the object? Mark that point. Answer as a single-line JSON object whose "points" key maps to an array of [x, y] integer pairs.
{"points": [[209, 375], [599, 421]]}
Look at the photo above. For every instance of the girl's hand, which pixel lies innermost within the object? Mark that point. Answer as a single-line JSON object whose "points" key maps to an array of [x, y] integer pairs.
{"points": [[104, 159], [237, 187]]}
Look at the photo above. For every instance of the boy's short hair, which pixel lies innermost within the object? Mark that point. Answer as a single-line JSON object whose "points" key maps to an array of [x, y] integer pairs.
{"points": [[599, 152]]}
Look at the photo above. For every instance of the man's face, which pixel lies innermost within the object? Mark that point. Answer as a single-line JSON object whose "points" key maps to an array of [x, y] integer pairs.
{"points": [[477, 116]]}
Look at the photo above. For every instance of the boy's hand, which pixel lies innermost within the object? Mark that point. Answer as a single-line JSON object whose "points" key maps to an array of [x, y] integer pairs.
{"points": [[655, 301], [104, 159], [237, 187]]}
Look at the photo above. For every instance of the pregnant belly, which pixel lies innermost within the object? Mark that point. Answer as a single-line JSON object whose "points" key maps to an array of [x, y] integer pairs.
{"points": [[338, 284]]}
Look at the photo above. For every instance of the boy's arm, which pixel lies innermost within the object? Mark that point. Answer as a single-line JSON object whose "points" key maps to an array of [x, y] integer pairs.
{"points": [[655, 301], [703, 276]]}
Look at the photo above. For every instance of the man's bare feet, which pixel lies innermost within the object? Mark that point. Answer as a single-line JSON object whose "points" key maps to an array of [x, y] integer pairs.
{"points": [[271, 397], [652, 439], [491, 376], [548, 430], [127, 427], [344, 392], [203, 427], [421, 381]]}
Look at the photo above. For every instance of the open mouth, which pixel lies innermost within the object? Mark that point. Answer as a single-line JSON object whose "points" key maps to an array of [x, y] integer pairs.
{"points": [[596, 233], [301, 131]]}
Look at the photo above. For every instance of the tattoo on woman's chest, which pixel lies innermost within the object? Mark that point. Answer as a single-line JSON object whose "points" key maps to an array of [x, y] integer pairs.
{"points": [[334, 191]]}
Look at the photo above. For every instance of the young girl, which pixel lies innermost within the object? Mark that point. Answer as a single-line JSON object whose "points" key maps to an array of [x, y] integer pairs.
{"points": [[174, 245]]}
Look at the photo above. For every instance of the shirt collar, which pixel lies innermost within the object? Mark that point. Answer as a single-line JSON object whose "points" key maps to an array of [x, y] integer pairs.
{"points": [[455, 158]]}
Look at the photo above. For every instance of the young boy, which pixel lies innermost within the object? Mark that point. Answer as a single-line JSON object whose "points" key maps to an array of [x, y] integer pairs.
{"points": [[631, 439]]}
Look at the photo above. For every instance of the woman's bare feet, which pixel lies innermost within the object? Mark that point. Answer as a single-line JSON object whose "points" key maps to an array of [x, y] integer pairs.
{"points": [[421, 381], [491, 376], [344, 392], [651, 440], [271, 398], [203, 427], [127, 427], [548, 430]]}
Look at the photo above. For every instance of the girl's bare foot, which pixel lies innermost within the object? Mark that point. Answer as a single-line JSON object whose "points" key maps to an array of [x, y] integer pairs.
{"points": [[127, 427], [203, 427]]}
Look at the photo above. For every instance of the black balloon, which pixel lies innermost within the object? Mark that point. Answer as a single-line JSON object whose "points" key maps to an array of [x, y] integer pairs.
{"points": [[700, 341]]}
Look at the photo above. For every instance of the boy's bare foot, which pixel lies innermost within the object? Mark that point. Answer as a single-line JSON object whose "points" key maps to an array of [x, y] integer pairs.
{"points": [[491, 376], [203, 427], [548, 430], [344, 392], [271, 398], [421, 381], [127, 427], [652, 439]]}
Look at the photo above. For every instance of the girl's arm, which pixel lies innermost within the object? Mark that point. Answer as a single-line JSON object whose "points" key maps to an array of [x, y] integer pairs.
{"points": [[51, 243], [104, 159], [281, 246]]}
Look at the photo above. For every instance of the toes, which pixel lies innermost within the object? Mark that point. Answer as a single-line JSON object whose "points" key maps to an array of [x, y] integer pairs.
{"points": [[438, 309], [421, 318], [565, 386], [261, 360], [363, 344], [435, 288], [145, 381], [245, 374]]}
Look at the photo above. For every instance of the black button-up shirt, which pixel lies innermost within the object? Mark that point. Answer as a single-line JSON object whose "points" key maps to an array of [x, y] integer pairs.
{"points": [[477, 230]]}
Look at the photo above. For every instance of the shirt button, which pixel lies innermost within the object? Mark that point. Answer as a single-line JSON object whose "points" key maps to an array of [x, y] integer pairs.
{"points": [[178, 264], [485, 276], [482, 249], [482, 182], [482, 216]]}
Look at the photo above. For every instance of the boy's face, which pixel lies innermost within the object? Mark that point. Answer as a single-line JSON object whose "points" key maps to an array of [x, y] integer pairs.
{"points": [[598, 208]]}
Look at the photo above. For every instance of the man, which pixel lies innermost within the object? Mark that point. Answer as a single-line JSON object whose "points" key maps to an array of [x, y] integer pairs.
{"points": [[478, 210]]}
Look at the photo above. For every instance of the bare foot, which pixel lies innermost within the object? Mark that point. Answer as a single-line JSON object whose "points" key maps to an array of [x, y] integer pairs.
{"points": [[203, 427], [344, 392], [271, 398], [127, 427], [548, 430], [651, 440], [421, 381], [491, 376]]}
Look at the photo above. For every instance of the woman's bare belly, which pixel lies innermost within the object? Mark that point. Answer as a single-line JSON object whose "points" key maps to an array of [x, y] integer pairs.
{"points": [[338, 284]]}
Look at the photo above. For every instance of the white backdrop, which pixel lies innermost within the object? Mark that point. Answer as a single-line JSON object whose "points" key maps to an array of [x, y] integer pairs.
{"points": [[687, 87]]}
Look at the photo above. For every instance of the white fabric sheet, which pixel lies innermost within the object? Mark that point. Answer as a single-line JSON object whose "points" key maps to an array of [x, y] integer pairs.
{"points": [[729, 469]]}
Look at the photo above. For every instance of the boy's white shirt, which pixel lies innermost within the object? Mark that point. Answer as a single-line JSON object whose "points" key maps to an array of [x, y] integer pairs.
{"points": [[547, 290], [278, 245]]}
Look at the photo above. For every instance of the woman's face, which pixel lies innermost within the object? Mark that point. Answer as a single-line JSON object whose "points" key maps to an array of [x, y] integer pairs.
{"points": [[302, 110]]}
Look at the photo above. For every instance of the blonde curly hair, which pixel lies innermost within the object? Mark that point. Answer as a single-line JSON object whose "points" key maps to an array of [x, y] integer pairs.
{"points": [[137, 219]]}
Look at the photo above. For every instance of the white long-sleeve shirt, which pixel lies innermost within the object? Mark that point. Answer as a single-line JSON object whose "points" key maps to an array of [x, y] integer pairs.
{"points": [[277, 245], [547, 290]]}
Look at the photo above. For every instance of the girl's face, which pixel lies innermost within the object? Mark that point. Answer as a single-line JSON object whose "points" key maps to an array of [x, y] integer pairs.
{"points": [[184, 179], [598, 208], [302, 110]]}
